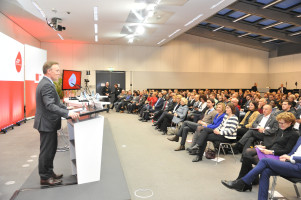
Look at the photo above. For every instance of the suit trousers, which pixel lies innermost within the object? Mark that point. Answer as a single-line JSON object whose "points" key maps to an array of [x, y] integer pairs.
{"points": [[186, 127], [48, 146], [208, 135], [249, 137], [270, 167]]}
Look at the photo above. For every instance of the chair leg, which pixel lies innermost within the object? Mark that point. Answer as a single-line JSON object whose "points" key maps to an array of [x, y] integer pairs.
{"points": [[297, 191], [219, 148], [273, 187], [229, 145]]}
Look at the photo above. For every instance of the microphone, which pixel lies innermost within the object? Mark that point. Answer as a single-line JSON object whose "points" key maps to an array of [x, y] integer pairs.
{"points": [[76, 85]]}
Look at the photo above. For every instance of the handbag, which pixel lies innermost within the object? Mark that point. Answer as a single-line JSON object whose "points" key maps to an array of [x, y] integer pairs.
{"points": [[210, 151]]}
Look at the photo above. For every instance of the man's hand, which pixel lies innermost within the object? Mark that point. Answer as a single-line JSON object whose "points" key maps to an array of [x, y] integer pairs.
{"points": [[70, 107], [73, 115], [200, 122], [175, 114], [284, 157], [261, 129]]}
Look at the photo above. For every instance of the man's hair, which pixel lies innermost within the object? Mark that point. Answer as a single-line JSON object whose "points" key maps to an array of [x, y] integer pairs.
{"points": [[47, 65], [288, 102], [212, 101]]}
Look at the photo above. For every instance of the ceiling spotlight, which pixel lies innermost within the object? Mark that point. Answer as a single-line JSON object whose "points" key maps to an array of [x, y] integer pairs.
{"points": [[140, 6], [140, 30], [131, 40], [218, 28], [96, 38]]}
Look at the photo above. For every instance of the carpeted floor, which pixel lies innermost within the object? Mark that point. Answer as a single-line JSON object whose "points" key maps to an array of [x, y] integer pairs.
{"points": [[152, 168]]}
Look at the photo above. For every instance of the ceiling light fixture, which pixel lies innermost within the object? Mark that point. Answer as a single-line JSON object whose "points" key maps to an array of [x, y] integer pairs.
{"points": [[95, 13], [271, 40], [297, 33], [266, 27], [215, 5], [60, 36], [193, 20], [218, 28], [270, 4], [161, 41], [39, 9], [174, 33], [140, 30], [96, 38], [131, 40], [243, 35], [245, 16], [95, 28]]}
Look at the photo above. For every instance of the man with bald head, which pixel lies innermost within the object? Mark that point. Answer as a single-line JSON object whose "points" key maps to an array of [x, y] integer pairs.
{"points": [[263, 129]]}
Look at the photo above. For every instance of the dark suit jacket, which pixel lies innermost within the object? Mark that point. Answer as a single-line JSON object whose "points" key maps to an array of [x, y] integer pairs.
{"points": [[159, 104], [284, 90], [271, 127], [49, 109]]}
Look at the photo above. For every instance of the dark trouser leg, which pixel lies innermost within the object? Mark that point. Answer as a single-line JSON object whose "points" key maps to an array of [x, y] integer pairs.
{"points": [[115, 100], [160, 120], [202, 140], [189, 126], [166, 122], [157, 115], [48, 146], [241, 132], [248, 158]]}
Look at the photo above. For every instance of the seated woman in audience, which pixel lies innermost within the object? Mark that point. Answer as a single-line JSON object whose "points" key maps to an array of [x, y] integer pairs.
{"points": [[199, 111], [180, 111], [220, 108], [287, 166], [149, 103], [284, 141], [225, 132], [248, 120], [124, 102]]}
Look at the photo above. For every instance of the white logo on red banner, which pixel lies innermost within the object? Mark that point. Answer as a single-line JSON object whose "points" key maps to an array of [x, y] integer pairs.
{"points": [[72, 80], [18, 62]]}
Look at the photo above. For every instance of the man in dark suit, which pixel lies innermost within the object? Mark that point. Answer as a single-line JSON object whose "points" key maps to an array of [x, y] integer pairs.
{"points": [[263, 129], [47, 121], [282, 89], [117, 91], [106, 91]]}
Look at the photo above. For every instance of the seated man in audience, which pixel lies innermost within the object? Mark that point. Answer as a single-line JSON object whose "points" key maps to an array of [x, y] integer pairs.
{"points": [[263, 129], [149, 103], [158, 106], [124, 102], [199, 111], [286, 107], [121, 96], [168, 105], [274, 107], [134, 101], [192, 126]]}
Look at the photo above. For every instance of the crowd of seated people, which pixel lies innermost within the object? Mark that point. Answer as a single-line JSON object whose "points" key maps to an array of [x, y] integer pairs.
{"points": [[248, 119]]}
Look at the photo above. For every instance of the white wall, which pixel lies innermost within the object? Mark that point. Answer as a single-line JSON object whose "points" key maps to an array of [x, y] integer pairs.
{"points": [[285, 69], [14, 31], [186, 62]]}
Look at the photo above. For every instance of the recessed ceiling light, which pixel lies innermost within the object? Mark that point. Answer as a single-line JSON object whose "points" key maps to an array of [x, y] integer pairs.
{"points": [[218, 28], [215, 5], [161, 41], [193, 20], [140, 30], [269, 40], [95, 28], [297, 33], [270, 4], [39, 9], [131, 40], [95, 13], [174, 33], [275, 24], [243, 35], [242, 17], [96, 38], [60, 36]]}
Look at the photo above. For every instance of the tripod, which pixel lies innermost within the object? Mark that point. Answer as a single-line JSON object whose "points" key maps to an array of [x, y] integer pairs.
{"points": [[86, 89]]}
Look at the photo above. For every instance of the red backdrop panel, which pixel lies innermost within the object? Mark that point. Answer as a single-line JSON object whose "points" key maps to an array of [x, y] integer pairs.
{"points": [[30, 88], [12, 94]]}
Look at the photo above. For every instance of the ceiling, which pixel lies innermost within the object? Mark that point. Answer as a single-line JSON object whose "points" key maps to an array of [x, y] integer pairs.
{"points": [[269, 25], [117, 19]]}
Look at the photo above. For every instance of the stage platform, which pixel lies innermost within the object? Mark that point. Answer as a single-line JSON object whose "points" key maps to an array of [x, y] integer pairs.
{"points": [[112, 184]]}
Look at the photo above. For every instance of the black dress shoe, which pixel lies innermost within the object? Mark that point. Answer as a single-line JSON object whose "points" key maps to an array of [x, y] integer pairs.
{"points": [[140, 119], [157, 127], [180, 148], [238, 185], [164, 133], [193, 152], [51, 182], [144, 120], [57, 176], [197, 158]]}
